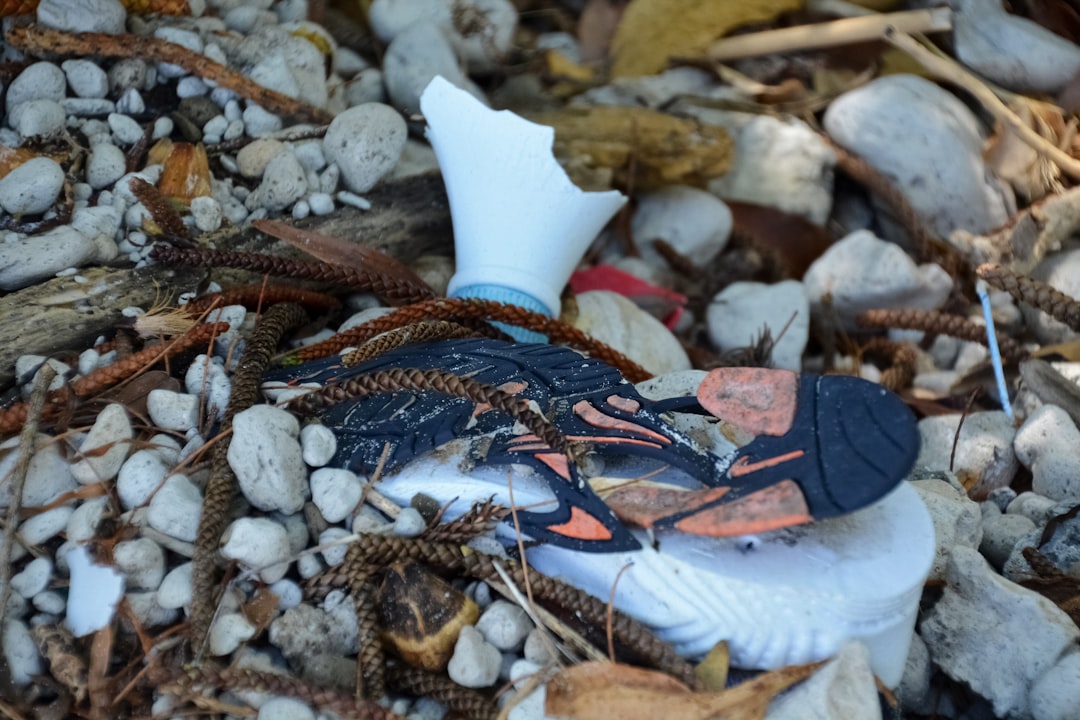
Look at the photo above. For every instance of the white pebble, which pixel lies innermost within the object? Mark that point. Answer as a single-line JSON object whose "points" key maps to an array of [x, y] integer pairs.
{"points": [[139, 476], [265, 455], [253, 158], [283, 708], [259, 544], [40, 81], [105, 447], [175, 589], [45, 526], [233, 131], [419, 53], [147, 612], [86, 78], [131, 102], [216, 125], [336, 492], [738, 315], [175, 508], [33, 578], [207, 213], [475, 662], [191, 86], [354, 200], [47, 477], [38, 118], [83, 523], [20, 652], [184, 38], [289, 593], [284, 182], [619, 322], [31, 188], [300, 210], [207, 378], [106, 165], [984, 455], [694, 222], [321, 203], [409, 523], [228, 632], [365, 142], [142, 561], [862, 271], [333, 554], [125, 129], [173, 410], [79, 16], [50, 602], [1046, 444], [259, 122], [504, 625], [319, 444]]}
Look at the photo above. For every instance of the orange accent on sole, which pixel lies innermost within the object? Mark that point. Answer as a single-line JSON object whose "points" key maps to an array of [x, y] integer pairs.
{"points": [[759, 400], [744, 467], [594, 417], [581, 526], [557, 462], [622, 403], [777, 506], [644, 506]]}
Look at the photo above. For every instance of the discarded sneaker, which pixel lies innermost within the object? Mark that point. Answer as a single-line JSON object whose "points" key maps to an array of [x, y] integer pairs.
{"points": [[738, 547]]}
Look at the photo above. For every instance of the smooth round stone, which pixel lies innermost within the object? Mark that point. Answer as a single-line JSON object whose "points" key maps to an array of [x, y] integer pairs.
{"points": [[1047, 445], [106, 165], [85, 78], [930, 145], [173, 410], [319, 444], [106, 446], [228, 632], [617, 321], [104, 16], [33, 578], [695, 223], [31, 188], [336, 492], [475, 662], [84, 522], [24, 261], [365, 142], [142, 561], [175, 589], [47, 477], [984, 458], [484, 40], [253, 158], [35, 118], [258, 121], [266, 457], [175, 508], [414, 58], [504, 625], [207, 213], [139, 476], [284, 182], [40, 81], [862, 272], [739, 314], [124, 129], [260, 544], [1011, 50]]}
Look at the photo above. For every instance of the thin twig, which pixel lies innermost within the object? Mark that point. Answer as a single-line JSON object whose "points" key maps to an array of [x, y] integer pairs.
{"points": [[951, 71], [42, 380]]}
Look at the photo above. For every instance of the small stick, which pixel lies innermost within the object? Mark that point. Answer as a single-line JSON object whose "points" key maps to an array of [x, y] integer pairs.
{"points": [[951, 71], [18, 478], [38, 41], [830, 34]]}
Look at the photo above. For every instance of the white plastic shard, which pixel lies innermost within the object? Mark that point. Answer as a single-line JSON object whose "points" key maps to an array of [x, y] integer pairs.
{"points": [[520, 224], [93, 594], [779, 598]]}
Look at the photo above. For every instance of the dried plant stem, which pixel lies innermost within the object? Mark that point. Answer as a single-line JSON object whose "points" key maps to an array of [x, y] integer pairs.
{"points": [[937, 323], [40, 41], [160, 208], [423, 331], [829, 34], [392, 289], [458, 309], [265, 295], [951, 71], [379, 550], [438, 381], [901, 358], [222, 483], [458, 700], [480, 518], [38, 396], [193, 681], [12, 418], [1038, 294]]}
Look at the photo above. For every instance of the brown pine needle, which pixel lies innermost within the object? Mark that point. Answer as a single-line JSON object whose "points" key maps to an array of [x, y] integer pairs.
{"points": [[1050, 300], [936, 323]]}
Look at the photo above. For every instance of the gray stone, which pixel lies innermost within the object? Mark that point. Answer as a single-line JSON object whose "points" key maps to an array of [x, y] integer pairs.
{"points": [[175, 508], [617, 321], [1056, 695], [1000, 535], [994, 635], [104, 16], [1046, 444], [914, 689], [843, 689], [38, 118], [416, 55], [26, 260], [929, 144], [106, 165], [106, 446], [265, 455], [142, 561], [475, 662], [1011, 50], [31, 188], [957, 521], [740, 313], [40, 81], [984, 458], [695, 223], [86, 78], [284, 182], [365, 142], [124, 129], [504, 625]]}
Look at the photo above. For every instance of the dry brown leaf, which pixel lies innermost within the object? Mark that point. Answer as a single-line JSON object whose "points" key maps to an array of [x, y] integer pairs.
{"points": [[13, 157], [654, 31], [186, 174], [596, 26], [661, 148], [1010, 158], [603, 690]]}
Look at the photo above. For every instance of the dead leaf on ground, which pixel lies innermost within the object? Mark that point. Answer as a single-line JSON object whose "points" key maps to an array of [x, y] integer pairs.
{"points": [[659, 148], [603, 690], [596, 26], [1061, 589], [186, 174], [654, 31], [1010, 158]]}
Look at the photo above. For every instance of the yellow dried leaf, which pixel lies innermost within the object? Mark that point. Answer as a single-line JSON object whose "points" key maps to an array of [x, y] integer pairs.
{"points": [[654, 31], [660, 148], [713, 670], [561, 67], [186, 174]]}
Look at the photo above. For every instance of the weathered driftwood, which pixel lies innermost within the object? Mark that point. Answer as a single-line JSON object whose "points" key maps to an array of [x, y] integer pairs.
{"points": [[408, 218]]}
